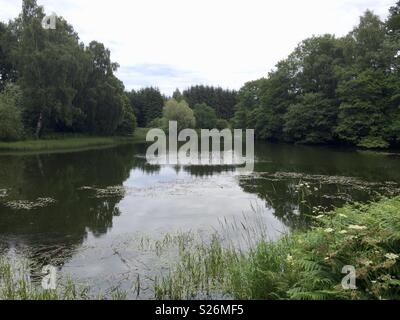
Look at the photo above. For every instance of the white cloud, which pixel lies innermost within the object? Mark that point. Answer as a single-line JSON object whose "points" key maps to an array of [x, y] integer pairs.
{"points": [[224, 42]]}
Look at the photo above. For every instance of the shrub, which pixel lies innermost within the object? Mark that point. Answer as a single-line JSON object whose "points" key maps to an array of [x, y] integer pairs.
{"points": [[128, 123], [180, 112], [305, 265], [158, 123], [222, 124], [374, 143]]}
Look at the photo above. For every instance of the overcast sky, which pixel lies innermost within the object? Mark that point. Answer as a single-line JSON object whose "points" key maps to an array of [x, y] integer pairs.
{"points": [[177, 43]]}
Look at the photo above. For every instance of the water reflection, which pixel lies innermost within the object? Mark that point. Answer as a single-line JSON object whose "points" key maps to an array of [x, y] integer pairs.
{"points": [[105, 194], [60, 176]]}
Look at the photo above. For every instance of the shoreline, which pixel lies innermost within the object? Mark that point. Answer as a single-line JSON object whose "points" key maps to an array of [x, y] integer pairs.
{"points": [[356, 235], [78, 143]]}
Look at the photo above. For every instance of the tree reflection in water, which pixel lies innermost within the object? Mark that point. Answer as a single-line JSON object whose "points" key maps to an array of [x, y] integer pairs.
{"points": [[294, 182]]}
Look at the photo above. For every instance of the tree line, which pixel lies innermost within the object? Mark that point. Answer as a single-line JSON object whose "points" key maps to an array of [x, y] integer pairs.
{"points": [[332, 90], [214, 105], [328, 91]]}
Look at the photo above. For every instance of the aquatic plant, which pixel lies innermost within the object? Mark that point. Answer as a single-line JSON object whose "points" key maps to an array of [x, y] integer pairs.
{"points": [[3, 193], [30, 205]]}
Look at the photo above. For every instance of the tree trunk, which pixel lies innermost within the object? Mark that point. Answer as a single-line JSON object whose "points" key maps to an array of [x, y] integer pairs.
{"points": [[39, 126]]}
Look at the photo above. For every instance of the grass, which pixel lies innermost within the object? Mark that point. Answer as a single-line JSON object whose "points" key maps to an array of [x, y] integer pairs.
{"points": [[55, 143], [306, 265], [16, 285]]}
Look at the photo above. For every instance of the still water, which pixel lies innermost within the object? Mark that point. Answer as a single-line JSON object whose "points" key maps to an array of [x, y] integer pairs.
{"points": [[88, 212]]}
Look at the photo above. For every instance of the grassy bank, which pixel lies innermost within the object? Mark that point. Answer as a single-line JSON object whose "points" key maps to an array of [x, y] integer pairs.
{"points": [[305, 265], [71, 142]]}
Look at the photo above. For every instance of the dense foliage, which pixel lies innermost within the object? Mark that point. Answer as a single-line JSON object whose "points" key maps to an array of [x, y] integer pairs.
{"points": [[180, 112], [328, 91], [305, 265], [332, 90], [65, 85], [222, 101], [11, 127], [201, 116], [206, 117], [147, 104]]}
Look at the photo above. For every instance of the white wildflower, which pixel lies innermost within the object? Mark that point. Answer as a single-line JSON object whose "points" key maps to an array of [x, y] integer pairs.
{"points": [[367, 263], [391, 256], [357, 227]]}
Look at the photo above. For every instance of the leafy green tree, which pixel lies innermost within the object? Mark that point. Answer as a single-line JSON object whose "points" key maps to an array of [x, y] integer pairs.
{"points": [[11, 127], [311, 120], [66, 86], [180, 112], [276, 94], [7, 45], [248, 101], [158, 123], [331, 90], [317, 60], [206, 117], [363, 114], [368, 38], [177, 95], [128, 123], [391, 48], [393, 22], [104, 94], [313, 116], [147, 104], [33, 65], [364, 91], [223, 101], [49, 65]]}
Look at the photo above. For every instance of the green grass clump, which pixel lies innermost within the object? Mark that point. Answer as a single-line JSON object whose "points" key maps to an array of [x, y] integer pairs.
{"points": [[16, 284], [305, 265]]}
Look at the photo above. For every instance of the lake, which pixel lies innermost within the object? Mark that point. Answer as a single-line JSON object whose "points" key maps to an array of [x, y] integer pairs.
{"points": [[95, 214]]}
